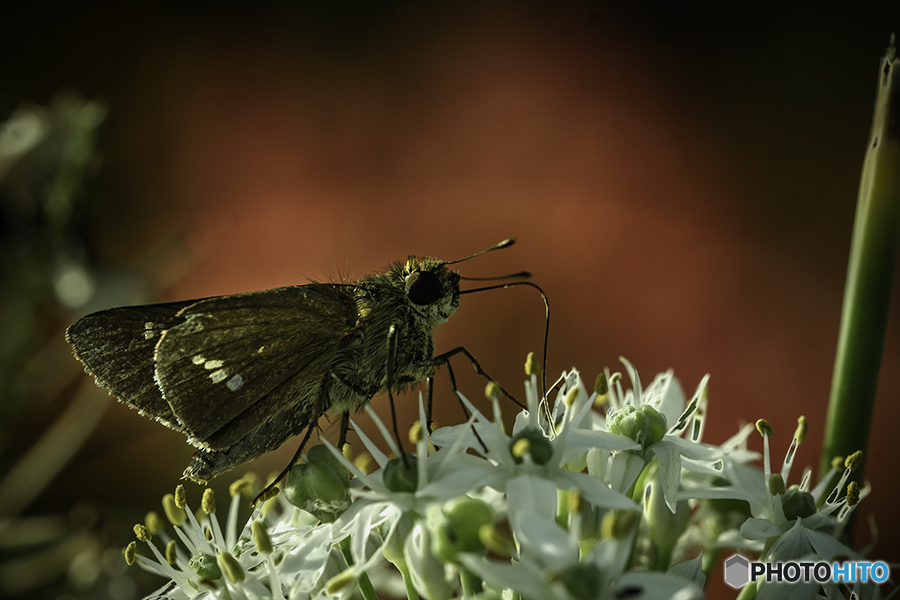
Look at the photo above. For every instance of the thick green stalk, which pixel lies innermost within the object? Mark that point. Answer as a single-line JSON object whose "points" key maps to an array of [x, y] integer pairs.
{"points": [[870, 274]]}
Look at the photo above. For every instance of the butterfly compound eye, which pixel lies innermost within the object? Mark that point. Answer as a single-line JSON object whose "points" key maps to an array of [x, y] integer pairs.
{"points": [[423, 287]]}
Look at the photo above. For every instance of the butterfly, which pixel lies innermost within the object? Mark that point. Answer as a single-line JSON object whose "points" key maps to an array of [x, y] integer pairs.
{"points": [[241, 374]]}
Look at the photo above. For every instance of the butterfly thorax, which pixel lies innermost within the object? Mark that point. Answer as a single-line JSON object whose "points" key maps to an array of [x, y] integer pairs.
{"points": [[399, 298]]}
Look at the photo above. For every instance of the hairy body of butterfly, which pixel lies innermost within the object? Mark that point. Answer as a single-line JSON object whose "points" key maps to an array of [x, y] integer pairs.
{"points": [[239, 375]]}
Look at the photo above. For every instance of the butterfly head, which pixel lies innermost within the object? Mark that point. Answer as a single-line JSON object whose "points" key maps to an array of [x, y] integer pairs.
{"points": [[432, 289]]}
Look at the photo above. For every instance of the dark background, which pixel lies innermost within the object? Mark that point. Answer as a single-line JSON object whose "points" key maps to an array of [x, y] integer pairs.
{"points": [[681, 178]]}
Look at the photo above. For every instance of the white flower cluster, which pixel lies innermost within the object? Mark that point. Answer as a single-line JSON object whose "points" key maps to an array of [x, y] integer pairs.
{"points": [[610, 494]]}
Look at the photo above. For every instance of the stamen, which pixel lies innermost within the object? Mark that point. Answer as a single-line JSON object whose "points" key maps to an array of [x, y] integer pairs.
{"points": [[130, 552], [142, 532], [208, 504]]}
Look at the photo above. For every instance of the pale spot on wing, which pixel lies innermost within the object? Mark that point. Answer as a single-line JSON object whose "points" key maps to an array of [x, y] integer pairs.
{"points": [[149, 334], [218, 376], [198, 359], [212, 364], [261, 348], [235, 383]]}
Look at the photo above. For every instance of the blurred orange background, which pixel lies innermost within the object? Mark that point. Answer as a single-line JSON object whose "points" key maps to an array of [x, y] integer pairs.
{"points": [[681, 181]]}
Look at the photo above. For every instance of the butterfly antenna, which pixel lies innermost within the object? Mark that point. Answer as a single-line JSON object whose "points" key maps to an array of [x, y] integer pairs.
{"points": [[546, 315], [504, 244], [519, 275]]}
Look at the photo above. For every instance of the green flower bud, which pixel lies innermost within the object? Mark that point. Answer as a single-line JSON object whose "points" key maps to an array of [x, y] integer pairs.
{"points": [[320, 486], [206, 566], [584, 581], [320, 454], [645, 425], [400, 475], [797, 504], [531, 440], [458, 528]]}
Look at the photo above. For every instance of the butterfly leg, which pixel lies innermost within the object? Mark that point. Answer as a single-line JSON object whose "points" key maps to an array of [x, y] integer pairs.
{"points": [[345, 427], [271, 489], [389, 383], [444, 359], [429, 403]]}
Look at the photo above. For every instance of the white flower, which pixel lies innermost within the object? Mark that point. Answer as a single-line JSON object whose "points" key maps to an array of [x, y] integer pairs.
{"points": [[786, 523], [530, 465], [589, 499], [656, 419], [283, 557], [373, 519], [550, 566]]}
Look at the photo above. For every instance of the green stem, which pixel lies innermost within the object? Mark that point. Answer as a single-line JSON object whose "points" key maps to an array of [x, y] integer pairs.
{"points": [[366, 589], [411, 592], [710, 560], [747, 592], [471, 585], [870, 273]]}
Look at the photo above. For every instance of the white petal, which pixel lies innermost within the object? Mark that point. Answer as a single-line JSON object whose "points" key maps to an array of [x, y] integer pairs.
{"points": [[545, 541], [529, 496], [594, 491], [669, 470], [691, 570], [426, 571], [522, 578], [659, 585], [827, 547], [624, 470], [306, 562], [638, 394], [758, 529]]}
